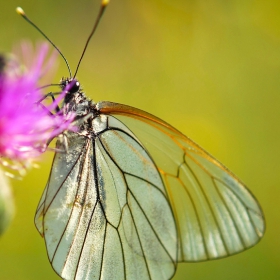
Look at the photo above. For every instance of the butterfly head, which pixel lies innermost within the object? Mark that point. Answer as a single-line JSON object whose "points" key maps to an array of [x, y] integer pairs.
{"points": [[75, 99], [71, 85]]}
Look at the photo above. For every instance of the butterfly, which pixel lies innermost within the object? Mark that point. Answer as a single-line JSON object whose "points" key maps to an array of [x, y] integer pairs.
{"points": [[132, 196]]}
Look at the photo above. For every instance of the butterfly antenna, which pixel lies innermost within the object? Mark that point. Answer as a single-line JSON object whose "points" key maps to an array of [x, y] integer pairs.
{"points": [[103, 6], [21, 12]]}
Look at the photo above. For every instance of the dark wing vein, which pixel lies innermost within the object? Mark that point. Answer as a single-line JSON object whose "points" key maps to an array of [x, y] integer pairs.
{"points": [[139, 239], [62, 183], [81, 167], [210, 207], [151, 225], [102, 256]]}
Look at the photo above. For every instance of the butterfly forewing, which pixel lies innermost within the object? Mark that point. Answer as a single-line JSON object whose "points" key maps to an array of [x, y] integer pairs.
{"points": [[215, 214], [105, 213]]}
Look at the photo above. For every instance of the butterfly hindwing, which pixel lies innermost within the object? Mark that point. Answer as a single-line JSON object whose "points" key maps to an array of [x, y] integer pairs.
{"points": [[216, 215]]}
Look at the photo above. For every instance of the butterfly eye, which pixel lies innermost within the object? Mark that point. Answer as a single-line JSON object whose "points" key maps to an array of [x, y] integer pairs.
{"points": [[70, 85], [74, 86]]}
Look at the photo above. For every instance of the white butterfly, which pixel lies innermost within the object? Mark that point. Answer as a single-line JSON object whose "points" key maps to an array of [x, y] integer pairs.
{"points": [[133, 196]]}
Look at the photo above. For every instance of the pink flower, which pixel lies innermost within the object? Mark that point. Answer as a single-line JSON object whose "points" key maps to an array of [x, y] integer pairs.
{"points": [[26, 125]]}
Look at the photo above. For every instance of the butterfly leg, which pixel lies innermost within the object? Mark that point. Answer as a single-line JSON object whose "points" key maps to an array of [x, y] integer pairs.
{"points": [[51, 94]]}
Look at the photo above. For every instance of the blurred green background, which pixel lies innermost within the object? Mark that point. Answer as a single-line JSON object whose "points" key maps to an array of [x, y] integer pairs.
{"points": [[209, 68]]}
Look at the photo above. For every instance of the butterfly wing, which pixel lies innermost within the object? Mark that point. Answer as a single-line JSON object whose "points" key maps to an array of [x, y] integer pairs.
{"points": [[104, 213], [216, 215]]}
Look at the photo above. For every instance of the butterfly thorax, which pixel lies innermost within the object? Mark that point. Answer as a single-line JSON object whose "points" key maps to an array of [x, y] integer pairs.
{"points": [[76, 102]]}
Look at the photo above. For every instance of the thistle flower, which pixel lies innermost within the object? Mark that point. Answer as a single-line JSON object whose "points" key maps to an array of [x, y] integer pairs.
{"points": [[26, 125]]}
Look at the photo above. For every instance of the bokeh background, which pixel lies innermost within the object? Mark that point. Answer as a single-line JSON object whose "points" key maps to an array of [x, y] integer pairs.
{"points": [[209, 68]]}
